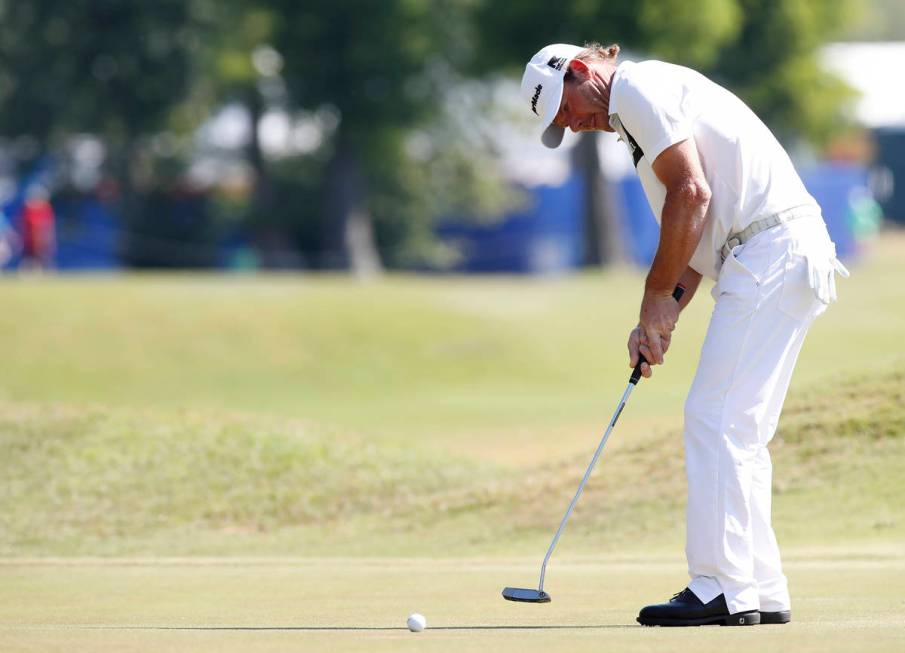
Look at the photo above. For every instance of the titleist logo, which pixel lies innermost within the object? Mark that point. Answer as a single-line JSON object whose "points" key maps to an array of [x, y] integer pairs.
{"points": [[537, 90]]}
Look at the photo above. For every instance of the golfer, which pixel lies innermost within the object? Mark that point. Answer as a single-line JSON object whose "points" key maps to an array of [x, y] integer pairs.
{"points": [[731, 207]]}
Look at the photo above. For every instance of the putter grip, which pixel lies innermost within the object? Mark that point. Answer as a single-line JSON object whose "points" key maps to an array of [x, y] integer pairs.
{"points": [[636, 374]]}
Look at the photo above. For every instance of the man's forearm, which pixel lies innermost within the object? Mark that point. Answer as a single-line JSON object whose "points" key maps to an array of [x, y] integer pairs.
{"points": [[681, 226]]}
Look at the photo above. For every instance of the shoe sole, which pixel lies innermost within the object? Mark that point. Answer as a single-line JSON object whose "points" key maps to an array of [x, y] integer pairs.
{"points": [[780, 617], [740, 619]]}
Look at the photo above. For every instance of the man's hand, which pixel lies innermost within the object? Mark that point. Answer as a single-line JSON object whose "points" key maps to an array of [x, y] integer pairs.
{"points": [[635, 339], [659, 315], [639, 345], [638, 341]]}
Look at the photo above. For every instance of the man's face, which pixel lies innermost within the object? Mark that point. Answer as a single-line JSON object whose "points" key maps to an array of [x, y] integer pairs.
{"points": [[584, 105]]}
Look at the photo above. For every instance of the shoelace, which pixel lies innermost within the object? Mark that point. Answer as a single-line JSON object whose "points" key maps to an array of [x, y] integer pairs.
{"points": [[682, 596]]}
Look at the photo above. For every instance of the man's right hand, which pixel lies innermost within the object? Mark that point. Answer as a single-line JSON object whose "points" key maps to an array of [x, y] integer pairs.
{"points": [[636, 339], [638, 345]]}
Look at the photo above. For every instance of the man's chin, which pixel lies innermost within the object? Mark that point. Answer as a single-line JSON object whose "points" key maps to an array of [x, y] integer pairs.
{"points": [[602, 122]]}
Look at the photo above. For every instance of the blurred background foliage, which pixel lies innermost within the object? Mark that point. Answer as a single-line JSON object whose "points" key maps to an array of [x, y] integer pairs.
{"points": [[383, 111]]}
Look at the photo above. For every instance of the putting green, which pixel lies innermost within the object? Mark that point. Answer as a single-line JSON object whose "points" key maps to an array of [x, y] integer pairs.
{"points": [[843, 602]]}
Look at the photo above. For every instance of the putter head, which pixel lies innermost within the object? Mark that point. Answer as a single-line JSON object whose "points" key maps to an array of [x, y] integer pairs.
{"points": [[525, 595]]}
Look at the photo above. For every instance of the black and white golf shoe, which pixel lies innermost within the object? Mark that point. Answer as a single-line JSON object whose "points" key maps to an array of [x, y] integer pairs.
{"points": [[686, 609]]}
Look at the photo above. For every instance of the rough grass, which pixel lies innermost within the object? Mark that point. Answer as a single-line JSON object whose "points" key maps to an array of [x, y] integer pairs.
{"points": [[82, 481], [83, 478]]}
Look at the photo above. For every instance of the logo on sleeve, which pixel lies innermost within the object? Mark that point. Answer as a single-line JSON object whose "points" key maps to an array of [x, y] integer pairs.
{"points": [[537, 90], [630, 141], [556, 63], [636, 150]]}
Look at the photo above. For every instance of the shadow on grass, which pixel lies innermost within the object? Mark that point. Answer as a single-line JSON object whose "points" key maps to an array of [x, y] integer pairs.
{"points": [[355, 628]]}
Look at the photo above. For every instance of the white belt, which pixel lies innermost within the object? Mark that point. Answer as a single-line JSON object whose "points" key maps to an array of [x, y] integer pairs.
{"points": [[794, 213]]}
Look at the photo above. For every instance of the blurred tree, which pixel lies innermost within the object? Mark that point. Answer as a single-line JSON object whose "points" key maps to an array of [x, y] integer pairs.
{"points": [[140, 57], [239, 65], [683, 32], [34, 79], [382, 68], [103, 66], [773, 66], [112, 68]]}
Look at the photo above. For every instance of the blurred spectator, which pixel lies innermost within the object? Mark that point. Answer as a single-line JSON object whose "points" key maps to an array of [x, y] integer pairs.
{"points": [[9, 240], [37, 229]]}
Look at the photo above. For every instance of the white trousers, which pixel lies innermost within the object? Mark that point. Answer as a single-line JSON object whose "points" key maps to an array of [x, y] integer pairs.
{"points": [[764, 307]]}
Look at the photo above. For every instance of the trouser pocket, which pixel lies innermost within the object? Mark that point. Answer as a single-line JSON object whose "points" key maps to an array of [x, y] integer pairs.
{"points": [[797, 298], [736, 279]]}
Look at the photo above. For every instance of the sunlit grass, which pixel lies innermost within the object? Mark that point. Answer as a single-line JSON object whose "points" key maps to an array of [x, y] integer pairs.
{"points": [[517, 370]]}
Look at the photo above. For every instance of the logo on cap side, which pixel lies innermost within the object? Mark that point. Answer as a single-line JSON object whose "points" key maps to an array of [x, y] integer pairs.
{"points": [[537, 90], [556, 62]]}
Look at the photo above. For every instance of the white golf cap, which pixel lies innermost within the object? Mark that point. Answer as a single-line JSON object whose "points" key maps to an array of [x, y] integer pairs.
{"points": [[542, 86]]}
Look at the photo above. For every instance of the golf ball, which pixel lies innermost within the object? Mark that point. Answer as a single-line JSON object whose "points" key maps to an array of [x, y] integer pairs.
{"points": [[416, 622]]}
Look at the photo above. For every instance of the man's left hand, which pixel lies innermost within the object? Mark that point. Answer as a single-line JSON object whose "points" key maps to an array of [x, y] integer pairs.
{"points": [[659, 315]]}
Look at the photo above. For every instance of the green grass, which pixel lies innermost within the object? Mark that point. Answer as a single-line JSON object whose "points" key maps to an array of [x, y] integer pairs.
{"points": [[81, 482], [494, 367], [842, 603], [411, 444]]}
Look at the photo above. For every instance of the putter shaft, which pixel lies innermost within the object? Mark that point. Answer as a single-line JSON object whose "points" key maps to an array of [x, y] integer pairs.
{"points": [[587, 474]]}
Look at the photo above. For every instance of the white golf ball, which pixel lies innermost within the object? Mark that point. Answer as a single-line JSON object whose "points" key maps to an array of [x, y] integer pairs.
{"points": [[416, 622]]}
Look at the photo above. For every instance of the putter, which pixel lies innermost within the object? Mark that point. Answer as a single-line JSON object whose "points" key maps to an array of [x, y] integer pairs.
{"points": [[538, 595]]}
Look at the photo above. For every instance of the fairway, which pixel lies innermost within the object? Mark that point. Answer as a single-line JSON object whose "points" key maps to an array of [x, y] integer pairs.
{"points": [[360, 604]]}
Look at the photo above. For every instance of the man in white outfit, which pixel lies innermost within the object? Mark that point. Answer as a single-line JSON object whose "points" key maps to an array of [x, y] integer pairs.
{"points": [[731, 207]]}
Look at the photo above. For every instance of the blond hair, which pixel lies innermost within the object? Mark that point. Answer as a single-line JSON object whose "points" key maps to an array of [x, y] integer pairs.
{"points": [[593, 51]]}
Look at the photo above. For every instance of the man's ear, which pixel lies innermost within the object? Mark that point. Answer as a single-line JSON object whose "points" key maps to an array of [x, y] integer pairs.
{"points": [[580, 69]]}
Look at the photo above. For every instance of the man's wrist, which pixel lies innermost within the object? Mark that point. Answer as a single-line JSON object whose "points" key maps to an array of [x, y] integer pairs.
{"points": [[658, 290]]}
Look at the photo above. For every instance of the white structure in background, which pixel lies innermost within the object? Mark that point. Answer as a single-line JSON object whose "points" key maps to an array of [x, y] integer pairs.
{"points": [[876, 71], [523, 158]]}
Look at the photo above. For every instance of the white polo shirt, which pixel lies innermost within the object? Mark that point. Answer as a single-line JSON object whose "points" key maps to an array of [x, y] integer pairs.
{"points": [[654, 105]]}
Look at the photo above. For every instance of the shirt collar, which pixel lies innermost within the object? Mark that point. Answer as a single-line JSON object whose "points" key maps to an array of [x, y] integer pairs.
{"points": [[617, 77]]}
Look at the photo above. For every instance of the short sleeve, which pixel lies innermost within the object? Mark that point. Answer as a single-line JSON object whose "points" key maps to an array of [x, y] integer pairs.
{"points": [[650, 108]]}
